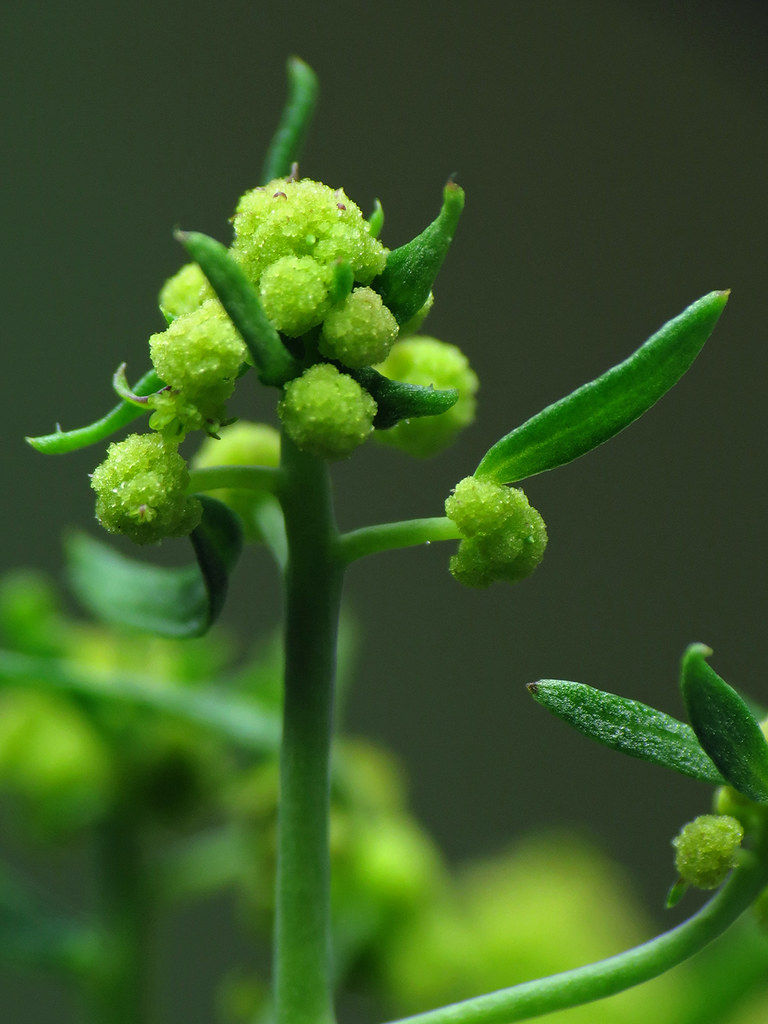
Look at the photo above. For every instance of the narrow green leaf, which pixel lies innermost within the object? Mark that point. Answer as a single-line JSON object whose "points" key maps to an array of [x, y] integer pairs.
{"points": [[124, 413], [177, 602], [285, 148], [397, 400], [596, 411], [411, 270], [274, 364], [724, 725], [628, 726], [242, 721]]}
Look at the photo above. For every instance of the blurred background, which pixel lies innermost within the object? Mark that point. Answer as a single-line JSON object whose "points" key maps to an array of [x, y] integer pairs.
{"points": [[613, 155]]}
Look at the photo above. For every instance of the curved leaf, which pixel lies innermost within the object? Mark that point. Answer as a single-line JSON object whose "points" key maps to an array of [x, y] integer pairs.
{"points": [[274, 364], [724, 725], [596, 411], [62, 441], [174, 602], [627, 725], [407, 279], [285, 148], [396, 400]]}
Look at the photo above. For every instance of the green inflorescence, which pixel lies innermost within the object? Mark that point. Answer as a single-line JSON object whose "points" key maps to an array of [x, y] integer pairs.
{"points": [[359, 331], [304, 218], [705, 849], [185, 292], [430, 362], [198, 356], [504, 537], [326, 412], [141, 489]]}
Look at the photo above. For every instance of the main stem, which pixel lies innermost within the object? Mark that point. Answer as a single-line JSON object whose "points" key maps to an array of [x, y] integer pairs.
{"points": [[303, 987]]}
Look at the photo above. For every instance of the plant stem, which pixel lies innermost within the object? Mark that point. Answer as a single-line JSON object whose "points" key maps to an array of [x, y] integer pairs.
{"points": [[370, 540], [617, 973], [118, 993], [303, 985]]}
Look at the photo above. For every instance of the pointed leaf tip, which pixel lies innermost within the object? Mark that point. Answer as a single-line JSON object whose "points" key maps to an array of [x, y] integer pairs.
{"points": [[724, 725], [600, 409]]}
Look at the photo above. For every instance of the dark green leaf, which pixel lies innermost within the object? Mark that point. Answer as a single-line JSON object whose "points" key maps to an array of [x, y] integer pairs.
{"points": [[397, 400], [124, 413], [724, 725], [273, 362], [411, 270], [285, 148], [177, 602], [596, 411], [627, 725]]}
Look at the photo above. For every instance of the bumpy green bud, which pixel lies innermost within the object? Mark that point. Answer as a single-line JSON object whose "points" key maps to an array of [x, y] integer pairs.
{"points": [[141, 488], [360, 331], [198, 356], [326, 412], [427, 361], [504, 537], [185, 292], [304, 218], [706, 849], [294, 293]]}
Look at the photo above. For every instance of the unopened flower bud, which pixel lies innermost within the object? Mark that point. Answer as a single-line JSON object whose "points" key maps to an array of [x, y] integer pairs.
{"points": [[706, 849], [326, 412]]}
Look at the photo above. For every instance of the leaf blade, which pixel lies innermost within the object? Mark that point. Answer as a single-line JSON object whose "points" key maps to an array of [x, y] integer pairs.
{"points": [[177, 602], [286, 144], [596, 411], [62, 441], [628, 726], [724, 725]]}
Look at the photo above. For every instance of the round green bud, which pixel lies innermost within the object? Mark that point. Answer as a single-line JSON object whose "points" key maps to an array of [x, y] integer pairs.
{"points": [[504, 536], [427, 361], [198, 356], [294, 293], [706, 849], [141, 490], [185, 292], [326, 412], [242, 444], [360, 331], [304, 218]]}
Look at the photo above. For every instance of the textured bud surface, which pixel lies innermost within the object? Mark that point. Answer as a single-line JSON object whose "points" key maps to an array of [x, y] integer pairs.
{"points": [[427, 361], [294, 293], [504, 537], [326, 412], [360, 331], [185, 292], [706, 849], [304, 218], [141, 490]]}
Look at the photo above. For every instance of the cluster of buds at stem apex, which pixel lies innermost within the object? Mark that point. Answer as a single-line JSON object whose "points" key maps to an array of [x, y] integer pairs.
{"points": [[310, 296], [504, 537]]}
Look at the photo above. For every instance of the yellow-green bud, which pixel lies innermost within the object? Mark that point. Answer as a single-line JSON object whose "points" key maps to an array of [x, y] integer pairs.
{"points": [[304, 218], [427, 361], [141, 488], [706, 849], [185, 292], [326, 412], [199, 354], [360, 331], [242, 444], [504, 537], [294, 293]]}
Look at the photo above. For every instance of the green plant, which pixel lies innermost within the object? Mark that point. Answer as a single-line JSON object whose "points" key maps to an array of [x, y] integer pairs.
{"points": [[309, 301]]}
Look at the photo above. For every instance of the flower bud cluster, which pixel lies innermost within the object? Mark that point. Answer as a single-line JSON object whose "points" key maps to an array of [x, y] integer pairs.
{"points": [[326, 413], [141, 490], [504, 537]]}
